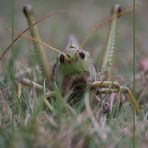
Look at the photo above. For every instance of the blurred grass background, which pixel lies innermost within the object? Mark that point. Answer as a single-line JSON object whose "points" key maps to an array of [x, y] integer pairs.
{"points": [[78, 18]]}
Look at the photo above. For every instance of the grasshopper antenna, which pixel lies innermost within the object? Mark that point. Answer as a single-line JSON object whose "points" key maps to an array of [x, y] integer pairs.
{"points": [[35, 23], [98, 26]]}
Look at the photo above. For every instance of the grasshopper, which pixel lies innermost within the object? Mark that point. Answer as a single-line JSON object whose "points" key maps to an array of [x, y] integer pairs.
{"points": [[74, 72]]}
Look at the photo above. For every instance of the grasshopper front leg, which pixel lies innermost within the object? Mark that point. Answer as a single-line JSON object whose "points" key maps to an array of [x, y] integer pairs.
{"points": [[108, 87]]}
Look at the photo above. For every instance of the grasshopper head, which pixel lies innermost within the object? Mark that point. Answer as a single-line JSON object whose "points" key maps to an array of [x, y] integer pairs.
{"points": [[72, 65], [73, 60]]}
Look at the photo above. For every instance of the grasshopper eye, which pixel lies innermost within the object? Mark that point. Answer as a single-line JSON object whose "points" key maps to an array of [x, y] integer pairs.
{"points": [[82, 55], [62, 58]]}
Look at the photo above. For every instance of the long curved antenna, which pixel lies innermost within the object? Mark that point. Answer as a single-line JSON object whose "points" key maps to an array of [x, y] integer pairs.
{"points": [[30, 38], [43, 43], [97, 26], [20, 34]]}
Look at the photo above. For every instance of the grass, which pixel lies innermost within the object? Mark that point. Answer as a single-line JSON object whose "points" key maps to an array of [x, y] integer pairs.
{"points": [[35, 124]]}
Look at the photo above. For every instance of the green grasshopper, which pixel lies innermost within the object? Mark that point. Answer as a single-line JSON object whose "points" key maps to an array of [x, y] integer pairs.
{"points": [[74, 72]]}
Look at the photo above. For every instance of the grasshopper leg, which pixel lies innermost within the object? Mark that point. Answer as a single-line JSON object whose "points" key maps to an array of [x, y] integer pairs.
{"points": [[108, 87]]}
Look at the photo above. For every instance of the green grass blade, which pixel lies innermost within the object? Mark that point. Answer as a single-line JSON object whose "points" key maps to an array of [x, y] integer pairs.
{"points": [[134, 63]]}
